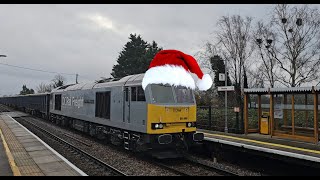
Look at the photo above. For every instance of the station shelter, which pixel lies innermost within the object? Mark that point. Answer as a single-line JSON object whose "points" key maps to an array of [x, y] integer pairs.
{"points": [[289, 113]]}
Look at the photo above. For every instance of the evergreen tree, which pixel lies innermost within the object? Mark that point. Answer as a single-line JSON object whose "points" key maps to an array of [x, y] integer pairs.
{"points": [[135, 57], [26, 90], [218, 66], [152, 50]]}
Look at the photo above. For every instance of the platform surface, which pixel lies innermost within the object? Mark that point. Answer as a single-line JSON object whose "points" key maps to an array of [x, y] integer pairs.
{"points": [[28, 155], [5, 169], [266, 143]]}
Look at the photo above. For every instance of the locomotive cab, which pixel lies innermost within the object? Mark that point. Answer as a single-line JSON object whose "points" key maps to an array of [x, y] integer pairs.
{"points": [[171, 114]]}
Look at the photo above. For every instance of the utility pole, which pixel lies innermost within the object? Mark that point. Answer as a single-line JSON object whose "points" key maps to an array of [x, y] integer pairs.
{"points": [[77, 78]]}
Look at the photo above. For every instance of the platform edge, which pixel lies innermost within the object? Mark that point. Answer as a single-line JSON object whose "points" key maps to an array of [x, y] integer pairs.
{"points": [[14, 167]]}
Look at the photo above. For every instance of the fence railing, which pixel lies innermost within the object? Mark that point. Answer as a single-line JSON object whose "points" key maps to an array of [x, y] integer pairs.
{"points": [[212, 118]]}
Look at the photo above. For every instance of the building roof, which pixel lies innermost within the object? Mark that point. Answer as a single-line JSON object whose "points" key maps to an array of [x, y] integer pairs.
{"points": [[256, 90], [282, 90]]}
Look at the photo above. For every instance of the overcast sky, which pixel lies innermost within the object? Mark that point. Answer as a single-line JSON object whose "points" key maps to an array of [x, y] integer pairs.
{"points": [[87, 39]]}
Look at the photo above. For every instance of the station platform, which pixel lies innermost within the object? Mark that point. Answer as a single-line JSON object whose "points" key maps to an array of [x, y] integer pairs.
{"points": [[265, 144], [5, 169], [24, 154]]}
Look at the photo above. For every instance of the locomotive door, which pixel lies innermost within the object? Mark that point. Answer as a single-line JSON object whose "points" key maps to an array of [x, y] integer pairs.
{"points": [[126, 107]]}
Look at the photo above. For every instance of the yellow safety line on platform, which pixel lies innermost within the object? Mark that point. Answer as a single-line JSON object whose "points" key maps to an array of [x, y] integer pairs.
{"points": [[265, 143], [14, 168]]}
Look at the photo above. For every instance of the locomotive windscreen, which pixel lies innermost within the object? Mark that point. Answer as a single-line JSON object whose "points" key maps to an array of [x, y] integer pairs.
{"points": [[183, 95], [162, 94], [165, 94]]}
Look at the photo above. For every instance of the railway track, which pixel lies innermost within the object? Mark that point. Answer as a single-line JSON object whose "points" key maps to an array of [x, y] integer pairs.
{"points": [[76, 139], [217, 169], [169, 168], [189, 166], [101, 165], [188, 162], [3, 109]]}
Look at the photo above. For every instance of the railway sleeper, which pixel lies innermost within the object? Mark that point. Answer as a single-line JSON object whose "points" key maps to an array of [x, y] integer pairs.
{"points": [[133, 141]]}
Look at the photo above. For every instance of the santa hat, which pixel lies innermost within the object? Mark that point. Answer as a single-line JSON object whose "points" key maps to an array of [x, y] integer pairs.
{"points": [[174, 68]]}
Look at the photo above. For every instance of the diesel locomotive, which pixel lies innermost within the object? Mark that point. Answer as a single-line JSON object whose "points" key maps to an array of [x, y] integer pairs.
{"points": [[159, 118]]}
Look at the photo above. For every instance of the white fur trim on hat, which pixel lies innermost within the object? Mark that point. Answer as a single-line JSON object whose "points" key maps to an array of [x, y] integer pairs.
{"points": [[205, 83], [168, 74]]}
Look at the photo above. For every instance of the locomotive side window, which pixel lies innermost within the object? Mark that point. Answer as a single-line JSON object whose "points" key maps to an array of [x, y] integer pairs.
{"points": [[57, 102], [127, 94], [141, 96], [133, 93], [137, 94], [103, 100]]}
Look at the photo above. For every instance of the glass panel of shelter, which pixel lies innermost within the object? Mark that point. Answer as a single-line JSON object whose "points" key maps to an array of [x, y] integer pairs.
{"points": [[303, 115], [253, 112], [282, 113]]}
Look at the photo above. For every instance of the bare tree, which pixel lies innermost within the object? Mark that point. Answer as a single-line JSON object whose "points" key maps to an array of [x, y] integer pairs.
{"points": [[268, 67], [203, 56], [43, 88], [296, 47], [234, 37], [256, 77], [58, 81], [234, 42]]}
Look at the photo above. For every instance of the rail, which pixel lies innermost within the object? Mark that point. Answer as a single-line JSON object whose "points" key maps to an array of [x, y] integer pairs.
{"points": [[58, 139], [211, 167]]}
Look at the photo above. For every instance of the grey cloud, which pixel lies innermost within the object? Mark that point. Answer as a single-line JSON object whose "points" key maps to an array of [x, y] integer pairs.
{"points": [[60, 38]]}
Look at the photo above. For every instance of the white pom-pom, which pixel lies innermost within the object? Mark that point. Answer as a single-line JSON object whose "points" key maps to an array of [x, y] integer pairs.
{"points": [[205, 83], [168, 74]]}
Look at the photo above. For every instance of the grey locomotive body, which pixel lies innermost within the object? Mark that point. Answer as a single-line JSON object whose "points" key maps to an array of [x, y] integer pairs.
{"points": [[119, 111]]}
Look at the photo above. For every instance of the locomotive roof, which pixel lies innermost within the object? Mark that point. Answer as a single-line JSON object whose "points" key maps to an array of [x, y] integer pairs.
{"points": [[38, 94], [130, 80]]}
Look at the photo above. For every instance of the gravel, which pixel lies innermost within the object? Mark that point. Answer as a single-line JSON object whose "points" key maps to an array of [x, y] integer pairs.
{"points": [[227, 166], [123, 161]]}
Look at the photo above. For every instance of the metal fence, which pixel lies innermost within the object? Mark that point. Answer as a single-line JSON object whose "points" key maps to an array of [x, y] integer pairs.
{"points": [[212, 118]]}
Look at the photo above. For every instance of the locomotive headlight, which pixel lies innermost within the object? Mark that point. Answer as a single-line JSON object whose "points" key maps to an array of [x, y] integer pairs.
{"points": [[157, 125], [160, 126], [189, 124]]}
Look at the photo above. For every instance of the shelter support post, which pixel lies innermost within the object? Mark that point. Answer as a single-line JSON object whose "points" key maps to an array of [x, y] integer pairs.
{"points": [[271, 115], [315, 112], [246, 113]]}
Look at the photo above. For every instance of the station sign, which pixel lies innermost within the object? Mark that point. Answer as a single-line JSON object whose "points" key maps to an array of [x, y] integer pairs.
{"points": [[226, 88], [222, 77]]}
